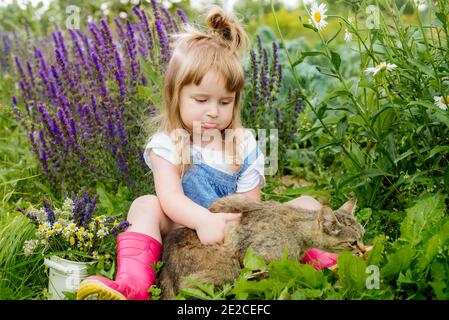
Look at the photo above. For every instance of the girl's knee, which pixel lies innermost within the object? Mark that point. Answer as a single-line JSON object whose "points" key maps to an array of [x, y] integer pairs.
{"points": [[147, 205], [306, 202]]}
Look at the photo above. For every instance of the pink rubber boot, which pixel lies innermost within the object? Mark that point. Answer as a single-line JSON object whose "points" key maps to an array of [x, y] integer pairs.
{"points": [[320, 259], [135, 253]]}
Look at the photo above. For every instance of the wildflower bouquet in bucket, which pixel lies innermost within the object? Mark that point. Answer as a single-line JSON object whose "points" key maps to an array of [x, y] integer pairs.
{"points": [[74, 231]]}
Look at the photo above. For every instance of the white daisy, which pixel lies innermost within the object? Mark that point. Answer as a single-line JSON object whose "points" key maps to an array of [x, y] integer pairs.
{"points": [[348, 36], [123, 15], [308, 2], [381, 67], [442, 102], [318, 16]]}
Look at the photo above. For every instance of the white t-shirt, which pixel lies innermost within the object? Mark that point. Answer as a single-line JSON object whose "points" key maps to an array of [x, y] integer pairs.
{"points": [[253, 176]]}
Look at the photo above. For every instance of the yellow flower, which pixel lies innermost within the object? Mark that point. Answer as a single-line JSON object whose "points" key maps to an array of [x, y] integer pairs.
{"points": [[40, 228], [90, 235], [72, 226], [72, 241]]}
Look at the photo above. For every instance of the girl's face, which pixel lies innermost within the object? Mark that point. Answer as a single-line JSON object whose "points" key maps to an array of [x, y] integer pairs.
{"points": [[208, 105]]}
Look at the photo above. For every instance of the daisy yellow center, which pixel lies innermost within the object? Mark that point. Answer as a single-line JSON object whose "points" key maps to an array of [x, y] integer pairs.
{"points": [[445, 100], [317, 16]]}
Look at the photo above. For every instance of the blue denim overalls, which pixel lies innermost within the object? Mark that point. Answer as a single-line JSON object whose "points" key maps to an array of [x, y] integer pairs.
{"points": [[204, 184]]}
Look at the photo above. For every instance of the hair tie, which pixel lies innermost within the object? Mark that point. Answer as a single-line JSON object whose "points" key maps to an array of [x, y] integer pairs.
{"points": [[215, 33]]}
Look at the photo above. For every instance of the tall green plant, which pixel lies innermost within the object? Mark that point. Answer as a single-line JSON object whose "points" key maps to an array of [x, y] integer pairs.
{"points": [[386, 123]]}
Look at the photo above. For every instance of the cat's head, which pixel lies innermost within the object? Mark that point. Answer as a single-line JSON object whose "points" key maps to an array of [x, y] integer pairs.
{"points": [[340, 230]]}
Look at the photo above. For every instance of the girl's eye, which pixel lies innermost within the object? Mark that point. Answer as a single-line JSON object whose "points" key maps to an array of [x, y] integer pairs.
{"points": [[200, 101], [225, 103]]}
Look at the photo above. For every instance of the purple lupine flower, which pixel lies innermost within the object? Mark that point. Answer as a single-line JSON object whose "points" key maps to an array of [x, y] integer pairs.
{"points": [[49, 84], [28, 214], [298, 108], [14, 100], [171, 25], [49, 212], [24, 86], [31, 74], [255, 77], [120, 74], [274, 67], [148, 34], [182, 15], [94, 108], [109, 43], [99, 46], [90, 211], [84, 210], [100, 73], [76, 208], [62, 62], [264, 76], [121, 227], [279, 123], [62, 45], [131, 46], [164, 56], [120, 31], [259, 45], [43, 159], [141, 41]]}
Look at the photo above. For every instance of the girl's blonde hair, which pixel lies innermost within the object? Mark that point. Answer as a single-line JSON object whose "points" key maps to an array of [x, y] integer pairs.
{"points": [[195, 53]]}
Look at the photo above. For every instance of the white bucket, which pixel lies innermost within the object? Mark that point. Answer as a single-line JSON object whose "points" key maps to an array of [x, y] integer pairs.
{"points": [[64, 275]]}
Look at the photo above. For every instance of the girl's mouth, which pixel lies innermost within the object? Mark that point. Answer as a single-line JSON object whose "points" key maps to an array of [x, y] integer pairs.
{"points": [[209, 125]]}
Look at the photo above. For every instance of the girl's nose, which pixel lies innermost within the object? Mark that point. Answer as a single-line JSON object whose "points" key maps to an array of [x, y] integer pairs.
{"points": [[213, 110]]}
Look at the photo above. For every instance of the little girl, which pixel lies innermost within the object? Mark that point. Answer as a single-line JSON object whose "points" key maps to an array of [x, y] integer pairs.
{"points": [[200, 153]]}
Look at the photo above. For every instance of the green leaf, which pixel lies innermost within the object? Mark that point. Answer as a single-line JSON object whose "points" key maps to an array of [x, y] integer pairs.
{"points": [[433, 246], [442, 116], [306, 54], [442, 17], [336, 60], [436, 150], [352, 272], [335, 35], [253, 262], [421, 67], [358, 154], [398, 261], [422, 217], [367, 173], [310, 26], [440, 280], [342, 125]]}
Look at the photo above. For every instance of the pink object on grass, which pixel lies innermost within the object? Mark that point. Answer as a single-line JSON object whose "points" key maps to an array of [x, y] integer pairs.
{"points": [[320, 259]]}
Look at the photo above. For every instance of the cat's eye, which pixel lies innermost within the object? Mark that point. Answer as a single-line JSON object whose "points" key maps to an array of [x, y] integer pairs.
{"points": [[354, 243]]}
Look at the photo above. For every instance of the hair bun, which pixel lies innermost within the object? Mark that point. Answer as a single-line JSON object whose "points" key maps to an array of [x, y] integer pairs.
{"points": [[228, 28]]}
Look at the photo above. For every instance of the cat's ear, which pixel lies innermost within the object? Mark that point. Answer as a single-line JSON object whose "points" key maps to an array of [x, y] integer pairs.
{"points": [[326, 214], [349, 206]]}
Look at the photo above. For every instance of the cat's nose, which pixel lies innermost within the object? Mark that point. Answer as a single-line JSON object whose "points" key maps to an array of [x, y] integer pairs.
{"points": [[361, 247]]}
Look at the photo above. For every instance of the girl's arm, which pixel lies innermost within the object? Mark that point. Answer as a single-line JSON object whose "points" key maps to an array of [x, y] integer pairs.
{"points": [[174, 203], [253, 194], [180, 209]]}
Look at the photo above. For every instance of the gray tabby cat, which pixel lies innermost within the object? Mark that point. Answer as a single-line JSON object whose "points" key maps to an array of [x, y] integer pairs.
{"points": [[268, 227]]}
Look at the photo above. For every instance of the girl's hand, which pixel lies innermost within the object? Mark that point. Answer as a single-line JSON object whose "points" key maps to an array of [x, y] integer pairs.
{"points": [[210, 230]]}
